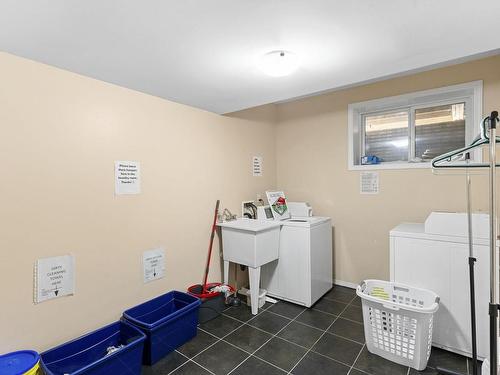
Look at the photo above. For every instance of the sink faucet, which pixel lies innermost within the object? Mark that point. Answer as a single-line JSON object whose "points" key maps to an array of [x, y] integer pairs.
{"points": [[227, 215]]}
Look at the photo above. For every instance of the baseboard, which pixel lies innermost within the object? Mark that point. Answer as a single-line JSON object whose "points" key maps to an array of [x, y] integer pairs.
{"points": [[347, 284]]}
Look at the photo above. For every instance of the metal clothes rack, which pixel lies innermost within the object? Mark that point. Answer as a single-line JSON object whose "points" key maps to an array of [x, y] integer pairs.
{"points": [[447, 161]]}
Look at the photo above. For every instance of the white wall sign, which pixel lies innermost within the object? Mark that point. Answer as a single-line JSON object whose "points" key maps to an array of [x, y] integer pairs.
{"points": [[368, 183], [54, 277], [127, 177], [257, 166], [154, 264]]}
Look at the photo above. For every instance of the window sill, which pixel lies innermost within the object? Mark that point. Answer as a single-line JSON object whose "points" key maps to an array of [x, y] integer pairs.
{"points": [[382, 166]]}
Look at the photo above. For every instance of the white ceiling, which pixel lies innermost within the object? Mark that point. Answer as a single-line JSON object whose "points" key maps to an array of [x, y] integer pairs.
{"points": [[202, 53]]}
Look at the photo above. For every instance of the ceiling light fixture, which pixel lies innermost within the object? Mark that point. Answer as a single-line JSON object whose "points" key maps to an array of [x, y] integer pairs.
{"points": [[279, 63]]}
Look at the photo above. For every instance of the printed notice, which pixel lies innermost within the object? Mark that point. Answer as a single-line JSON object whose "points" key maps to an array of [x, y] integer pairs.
{"points": [[154, 264], [257, 166], [369, 183], [54, 277], [127, 177]]}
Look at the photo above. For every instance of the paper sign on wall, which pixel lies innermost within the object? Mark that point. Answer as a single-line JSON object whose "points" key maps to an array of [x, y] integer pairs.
{"points": [[369, 183], [257, 166], [54, 277], [154, 264], [127, 177]]}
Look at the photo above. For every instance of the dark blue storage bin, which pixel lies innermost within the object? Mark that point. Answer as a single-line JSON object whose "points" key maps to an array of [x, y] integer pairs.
{"points": [[168, 322], [88, 354]]}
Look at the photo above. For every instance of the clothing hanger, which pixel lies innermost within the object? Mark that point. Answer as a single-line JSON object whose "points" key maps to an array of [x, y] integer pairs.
{"points": [[481, 140]]}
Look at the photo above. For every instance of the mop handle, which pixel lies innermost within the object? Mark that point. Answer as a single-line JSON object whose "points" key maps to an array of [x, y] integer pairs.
{"points": [[210, 245]]}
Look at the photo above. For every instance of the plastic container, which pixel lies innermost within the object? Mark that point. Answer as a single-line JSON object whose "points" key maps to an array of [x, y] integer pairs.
{"points": [[485, 367], [212, 304], [89, 354], [262, 296], [398, 321], [370, 159], [35, 370], [168, 321], [23, 362]]}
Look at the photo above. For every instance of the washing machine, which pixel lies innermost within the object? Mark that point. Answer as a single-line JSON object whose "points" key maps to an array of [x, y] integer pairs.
{"points": [[303, 272]]}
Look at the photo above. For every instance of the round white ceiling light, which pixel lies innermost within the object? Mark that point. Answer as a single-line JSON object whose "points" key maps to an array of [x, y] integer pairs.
{"points": [[279, 63]]}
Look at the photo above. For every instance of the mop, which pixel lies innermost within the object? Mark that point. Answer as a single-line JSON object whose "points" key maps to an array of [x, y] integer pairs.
{"points": [[203, 289]]}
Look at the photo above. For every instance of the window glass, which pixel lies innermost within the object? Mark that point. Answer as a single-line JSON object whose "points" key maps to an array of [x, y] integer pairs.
{"points": [[386, 136], [439, 129], [409, 130]]}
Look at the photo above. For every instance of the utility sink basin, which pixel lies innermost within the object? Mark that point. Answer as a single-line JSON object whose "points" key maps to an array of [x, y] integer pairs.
{"points": [[250, 242]]}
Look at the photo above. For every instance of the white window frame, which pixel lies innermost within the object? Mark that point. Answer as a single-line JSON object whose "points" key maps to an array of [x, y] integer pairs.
{"points": [[471, 93]]}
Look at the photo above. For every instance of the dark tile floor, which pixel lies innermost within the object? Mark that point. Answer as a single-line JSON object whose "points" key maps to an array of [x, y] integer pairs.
{"points": [[288, 339]]}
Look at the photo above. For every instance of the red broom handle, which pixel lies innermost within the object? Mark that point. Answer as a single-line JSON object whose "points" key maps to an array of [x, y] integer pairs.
{"points": [[212, 235]]}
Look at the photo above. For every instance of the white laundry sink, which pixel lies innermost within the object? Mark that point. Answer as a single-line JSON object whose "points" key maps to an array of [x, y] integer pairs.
{"points": [[250, 242]]}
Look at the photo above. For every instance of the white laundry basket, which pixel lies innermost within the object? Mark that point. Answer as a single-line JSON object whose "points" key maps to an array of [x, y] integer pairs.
{"points": [[398, 321]]}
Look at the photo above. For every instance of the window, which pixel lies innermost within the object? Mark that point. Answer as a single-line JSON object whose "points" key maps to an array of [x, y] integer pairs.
{"points": [[386, 135], [439, 129], [408, 131]]}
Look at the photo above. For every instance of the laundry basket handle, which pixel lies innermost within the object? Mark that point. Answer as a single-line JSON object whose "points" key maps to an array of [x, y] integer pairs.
{"points": [[401, 289], [363, 286]]}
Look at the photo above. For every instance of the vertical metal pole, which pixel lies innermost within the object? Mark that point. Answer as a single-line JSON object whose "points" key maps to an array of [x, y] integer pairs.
{"points": [[493, 253], [469, 212], [472, 261]]}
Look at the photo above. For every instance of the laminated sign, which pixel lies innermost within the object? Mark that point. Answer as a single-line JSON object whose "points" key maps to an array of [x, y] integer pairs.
{"points": [[277, 202], [127, 177], [368, 183], [54, 277], [154, 264], [257, 166]]}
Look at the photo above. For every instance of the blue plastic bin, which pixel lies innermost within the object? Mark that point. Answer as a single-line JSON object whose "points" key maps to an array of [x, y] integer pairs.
{"points": [[23, 362], [88, 354], [168, 322]]}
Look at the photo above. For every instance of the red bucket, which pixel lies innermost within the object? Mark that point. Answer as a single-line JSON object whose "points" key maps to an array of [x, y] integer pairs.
{"points": [[212, 303], [207, 293]]}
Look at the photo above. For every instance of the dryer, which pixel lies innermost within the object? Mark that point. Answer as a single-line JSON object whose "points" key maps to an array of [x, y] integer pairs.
{"points": [[303, 272], [434, 256]]}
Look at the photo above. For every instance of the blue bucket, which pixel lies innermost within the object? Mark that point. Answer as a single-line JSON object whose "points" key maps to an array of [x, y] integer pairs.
{"points": [[89, 354], [168, 322]]}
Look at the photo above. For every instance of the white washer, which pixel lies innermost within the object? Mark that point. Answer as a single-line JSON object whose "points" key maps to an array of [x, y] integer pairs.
{"points": [[303, 271], [434, 256]]}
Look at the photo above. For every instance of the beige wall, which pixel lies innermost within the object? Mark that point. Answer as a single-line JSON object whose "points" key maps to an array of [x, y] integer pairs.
{"points": [[60, 134], [312, 165]]}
